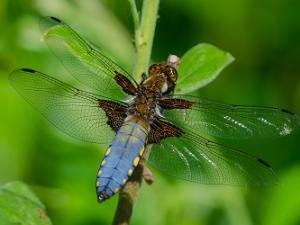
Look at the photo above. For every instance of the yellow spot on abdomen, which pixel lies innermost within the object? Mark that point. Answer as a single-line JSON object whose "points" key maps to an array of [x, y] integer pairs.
{"points": [[124, 181], [117, 190], [142, 151], [103, 162], [97, 184], [99, 173], [130, 171], [136, 161], [107, 151]]}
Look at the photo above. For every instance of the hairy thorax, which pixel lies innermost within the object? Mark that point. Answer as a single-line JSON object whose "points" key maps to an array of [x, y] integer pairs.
{"points": [[145, 104]]}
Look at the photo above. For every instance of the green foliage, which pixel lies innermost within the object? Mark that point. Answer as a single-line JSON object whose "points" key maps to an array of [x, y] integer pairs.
{"points": [[285, 207], [201, 65], [262, 37], [18, 204]]}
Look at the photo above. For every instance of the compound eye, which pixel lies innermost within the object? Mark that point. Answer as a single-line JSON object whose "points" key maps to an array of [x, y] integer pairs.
{"points": [[153, 68]]}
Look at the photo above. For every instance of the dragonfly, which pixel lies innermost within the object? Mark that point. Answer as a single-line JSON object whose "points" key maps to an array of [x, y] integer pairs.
{"points": [[127, 116]]}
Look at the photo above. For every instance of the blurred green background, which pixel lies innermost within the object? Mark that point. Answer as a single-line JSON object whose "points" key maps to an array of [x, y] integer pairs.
{"points": [[263, 36]]}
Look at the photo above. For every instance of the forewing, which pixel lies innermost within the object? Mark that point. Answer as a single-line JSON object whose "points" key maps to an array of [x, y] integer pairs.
{"points": [[83, 60], [212, 118], [73, 111], [194, 158]]}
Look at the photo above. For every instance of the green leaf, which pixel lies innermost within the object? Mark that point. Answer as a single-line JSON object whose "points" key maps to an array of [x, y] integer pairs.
{"points": [[19, 205], [200, 66]]}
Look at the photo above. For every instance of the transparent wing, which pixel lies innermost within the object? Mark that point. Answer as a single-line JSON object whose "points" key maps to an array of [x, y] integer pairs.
{"points": [[194, 158], [73, 111], [212, 118], [83, 60]]}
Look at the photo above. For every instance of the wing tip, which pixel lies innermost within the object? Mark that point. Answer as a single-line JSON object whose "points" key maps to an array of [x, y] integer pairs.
{"points": [[28, 70], [46, 22], [288, 112], [264, 162], [292, 115], [55, 19], [15, 73]]}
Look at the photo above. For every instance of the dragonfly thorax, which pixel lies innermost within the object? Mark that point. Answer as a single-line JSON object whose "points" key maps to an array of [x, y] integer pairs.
{"points": [[144, 105], [160, 83]]}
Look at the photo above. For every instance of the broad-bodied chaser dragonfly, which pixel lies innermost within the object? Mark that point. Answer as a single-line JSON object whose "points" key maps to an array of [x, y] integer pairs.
{"points": [[130, 115]]}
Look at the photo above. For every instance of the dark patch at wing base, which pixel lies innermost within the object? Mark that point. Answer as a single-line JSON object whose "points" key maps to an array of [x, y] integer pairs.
{"points": [[115, 112], [161, 129], [175, 103]]}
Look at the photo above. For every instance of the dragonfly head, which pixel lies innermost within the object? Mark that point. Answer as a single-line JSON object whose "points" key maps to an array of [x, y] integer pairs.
{"points": [[164, 76]]}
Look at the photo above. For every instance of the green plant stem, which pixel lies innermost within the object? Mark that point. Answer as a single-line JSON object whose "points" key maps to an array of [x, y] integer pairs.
{"points": [[135, 15], [143, 39]]}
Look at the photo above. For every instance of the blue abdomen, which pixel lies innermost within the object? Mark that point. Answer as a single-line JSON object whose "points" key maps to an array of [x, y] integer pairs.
{"points": [[121, 158]]}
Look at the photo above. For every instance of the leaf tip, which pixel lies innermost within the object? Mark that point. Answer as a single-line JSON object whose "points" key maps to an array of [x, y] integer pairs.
{"points": [[230, 58]]}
